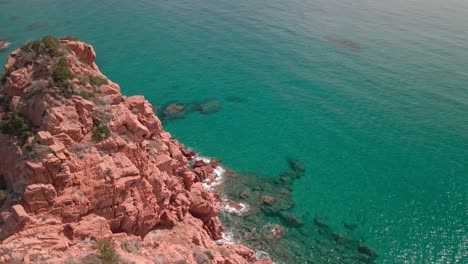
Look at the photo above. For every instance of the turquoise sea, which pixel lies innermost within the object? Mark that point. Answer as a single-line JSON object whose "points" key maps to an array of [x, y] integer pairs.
{"points": [[372, 96]]}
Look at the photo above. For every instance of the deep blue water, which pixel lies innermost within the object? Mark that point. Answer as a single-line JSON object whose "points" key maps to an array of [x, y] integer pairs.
{"points": [[371, 95]]}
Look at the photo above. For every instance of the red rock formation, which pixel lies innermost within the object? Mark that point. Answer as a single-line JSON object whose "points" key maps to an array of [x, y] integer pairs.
{"points": [[66, 189], [4, 45]]}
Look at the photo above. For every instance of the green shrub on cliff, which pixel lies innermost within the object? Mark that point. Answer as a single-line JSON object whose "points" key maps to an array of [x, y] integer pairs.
{"points": [[61, 72], [17, 126], [107, 252], [97, 80], [102, 131], [48, 45]]}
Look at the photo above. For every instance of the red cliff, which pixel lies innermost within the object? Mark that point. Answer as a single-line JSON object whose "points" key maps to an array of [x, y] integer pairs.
{"points": [[81, 163]]}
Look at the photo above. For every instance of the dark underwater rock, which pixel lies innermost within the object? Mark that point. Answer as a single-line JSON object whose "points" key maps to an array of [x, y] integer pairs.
{"points": [[280, 205], [291, 219], [36, 25], [340, 238], [344, 43], [268, 200], [349, 226], [235, 99], [297, 167], [321, 224], [15, 18], [269, 225], [174, 111], [209, 106], [368, 251], [245, 193]]}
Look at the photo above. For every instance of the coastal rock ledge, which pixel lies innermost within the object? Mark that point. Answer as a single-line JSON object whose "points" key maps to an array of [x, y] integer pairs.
{"points": [[88, 175]]}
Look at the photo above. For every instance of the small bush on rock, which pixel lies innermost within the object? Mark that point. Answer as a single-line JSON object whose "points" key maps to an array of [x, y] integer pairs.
{"points": [[97, 80], [130, 246], [61, 72], [102, 132], [48, 45], [16, 126], [107, 252]]}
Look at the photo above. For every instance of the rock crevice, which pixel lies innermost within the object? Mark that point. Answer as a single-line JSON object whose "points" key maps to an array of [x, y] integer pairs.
{"points": [[95, 164]]}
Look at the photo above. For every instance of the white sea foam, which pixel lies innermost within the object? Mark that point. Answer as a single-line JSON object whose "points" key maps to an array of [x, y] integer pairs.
{"points": [[7, 44], [205, 159], [210, 184], [244, 208], [227, 238], [261, 254]]}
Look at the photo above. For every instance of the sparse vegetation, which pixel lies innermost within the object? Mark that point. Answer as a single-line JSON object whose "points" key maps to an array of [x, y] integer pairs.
{"points": [[109, 172], [102, 131], [16, 197], [107, 252], [62, 76], [37, 87], [61, 72], [80, 149], [87, 95], [48, 45], [16, 126], [201, 257], [29, 147], [90, 259], [97, 81], [84, 79], [130, 246], [37, 151]]}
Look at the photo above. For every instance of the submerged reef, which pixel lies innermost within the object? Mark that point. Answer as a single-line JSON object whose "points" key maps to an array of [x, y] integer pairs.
{"points": [[179, 110], [271, 226]]}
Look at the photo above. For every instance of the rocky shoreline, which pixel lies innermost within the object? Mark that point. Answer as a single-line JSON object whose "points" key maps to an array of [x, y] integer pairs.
{"points": [[258, 212], [4, 45], [88, 175]]}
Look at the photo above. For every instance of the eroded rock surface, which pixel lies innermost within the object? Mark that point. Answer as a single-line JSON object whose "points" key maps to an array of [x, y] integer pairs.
{"points": [[81, 162]]}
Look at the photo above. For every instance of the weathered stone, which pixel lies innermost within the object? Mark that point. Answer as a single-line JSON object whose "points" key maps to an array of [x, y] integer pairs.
{"points": [[291, 219], [175, 111], [209, 106], [126, 187]]}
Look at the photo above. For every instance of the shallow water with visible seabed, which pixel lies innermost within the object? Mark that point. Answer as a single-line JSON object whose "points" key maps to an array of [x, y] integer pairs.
{"points": [[371, 96]]}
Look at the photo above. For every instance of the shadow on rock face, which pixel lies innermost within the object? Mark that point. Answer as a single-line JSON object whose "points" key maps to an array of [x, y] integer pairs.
{"points": [[271, 226]]}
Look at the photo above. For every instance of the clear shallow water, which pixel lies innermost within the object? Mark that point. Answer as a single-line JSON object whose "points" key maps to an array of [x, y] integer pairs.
{"points": [[382, 131]]}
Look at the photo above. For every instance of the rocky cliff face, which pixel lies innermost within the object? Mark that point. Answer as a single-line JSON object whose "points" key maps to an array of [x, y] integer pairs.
{"points": [[80, 162]]}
